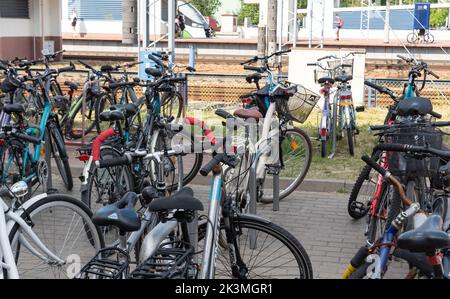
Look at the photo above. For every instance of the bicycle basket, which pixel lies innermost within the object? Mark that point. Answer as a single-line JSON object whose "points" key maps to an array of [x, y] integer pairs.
{"points": [[301, 104], [342, 70], [320, 73], [402, 164]]}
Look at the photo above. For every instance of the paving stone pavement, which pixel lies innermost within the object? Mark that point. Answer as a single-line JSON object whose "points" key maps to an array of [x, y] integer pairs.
{"points": [[319, 221]]}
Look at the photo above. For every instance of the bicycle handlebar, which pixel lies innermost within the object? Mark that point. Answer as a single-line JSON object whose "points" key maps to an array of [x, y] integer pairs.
{"points": [[393, 147], [26, 137], [381, 89]]}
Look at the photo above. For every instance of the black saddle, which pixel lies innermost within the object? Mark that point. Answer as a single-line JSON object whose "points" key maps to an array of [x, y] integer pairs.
{"points": [[414, 106], [111, 115], [72, 85], [255, 77], [427, 238], [153, 72], [324, 80], [343, 78], [106, 68], [120, 214], [182, 200], [13, 108], [128, 109]]}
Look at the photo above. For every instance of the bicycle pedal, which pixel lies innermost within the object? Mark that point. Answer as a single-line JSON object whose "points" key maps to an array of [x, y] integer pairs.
{"points": [[273, 169], [173, 260], [108, 263]]}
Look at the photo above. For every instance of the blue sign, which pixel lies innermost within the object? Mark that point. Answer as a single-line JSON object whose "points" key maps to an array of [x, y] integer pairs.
{"points": [[143, 56], [422, 15]]}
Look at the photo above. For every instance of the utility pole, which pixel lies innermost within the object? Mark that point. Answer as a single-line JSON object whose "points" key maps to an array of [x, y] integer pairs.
{"points": [[262, 40], [386, 22], [272, 27]]}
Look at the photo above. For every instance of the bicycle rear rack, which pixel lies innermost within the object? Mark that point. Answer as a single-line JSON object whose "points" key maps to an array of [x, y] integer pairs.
{"points": [[173, 260], [108, 263]]}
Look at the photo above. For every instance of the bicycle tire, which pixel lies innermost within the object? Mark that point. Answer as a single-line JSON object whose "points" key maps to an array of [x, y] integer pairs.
{"points": [[351, 143], [303, 170], [323, 147], [171, 103], [102, 104], [54, 202], [242, 222], [428, 38], [412, 38], [59, 153]]}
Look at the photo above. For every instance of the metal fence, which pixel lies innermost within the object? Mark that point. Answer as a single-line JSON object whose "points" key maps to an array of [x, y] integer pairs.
{"points": [[438, 91]]}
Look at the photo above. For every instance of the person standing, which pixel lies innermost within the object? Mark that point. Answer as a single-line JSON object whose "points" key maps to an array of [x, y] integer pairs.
{"points": [[339, 25], [74, 22]]}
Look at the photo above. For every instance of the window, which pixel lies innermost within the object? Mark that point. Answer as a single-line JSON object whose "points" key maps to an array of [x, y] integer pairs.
{"points": [[96, 10], [14, 9]]}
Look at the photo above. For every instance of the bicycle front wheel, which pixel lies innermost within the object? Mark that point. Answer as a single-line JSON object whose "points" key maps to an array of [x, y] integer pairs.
{"points": [[296, 153], [412, 38], [63, 224], [267, 250], [59, 153]]}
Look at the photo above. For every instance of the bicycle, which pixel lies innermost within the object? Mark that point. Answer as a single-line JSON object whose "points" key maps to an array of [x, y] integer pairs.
{"points": [[164, 254], [366, 184], [424, 246], [415, 37], [23, 227], [291, 147], [48, 127]]}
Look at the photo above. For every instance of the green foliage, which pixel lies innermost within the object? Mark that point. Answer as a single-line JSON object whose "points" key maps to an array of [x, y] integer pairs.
{"points": [[207, 7], [249, 11], [438, 17]]}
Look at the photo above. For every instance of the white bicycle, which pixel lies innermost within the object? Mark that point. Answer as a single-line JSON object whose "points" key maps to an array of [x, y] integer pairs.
{"points": [[48, 236]]}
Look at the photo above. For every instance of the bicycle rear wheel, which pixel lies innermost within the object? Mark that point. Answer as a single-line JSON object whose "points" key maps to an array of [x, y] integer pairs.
{"points": [[296, 152], [65, 227], [275, 253], [74, 126], [172, 105], [412, 38]]}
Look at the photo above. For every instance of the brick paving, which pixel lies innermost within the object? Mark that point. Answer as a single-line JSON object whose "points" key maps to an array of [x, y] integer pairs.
{"points": [[318, 220]]}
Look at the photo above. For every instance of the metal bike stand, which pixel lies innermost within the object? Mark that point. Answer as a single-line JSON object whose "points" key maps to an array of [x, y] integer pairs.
{"points": [[276, 192]]}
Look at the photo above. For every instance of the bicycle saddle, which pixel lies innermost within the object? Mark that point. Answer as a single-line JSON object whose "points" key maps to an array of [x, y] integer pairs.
{"points": [[248, 113], [111, 115], [72, 85], [153, 72], [13, 108], [120, 214], [343, 78], [427, 238], [106, 68], [129, 109], [255, 77], [182, 200], [324, 80], [414, 106]]}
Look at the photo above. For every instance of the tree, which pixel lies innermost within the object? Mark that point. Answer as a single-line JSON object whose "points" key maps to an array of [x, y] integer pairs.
{"points": [[248, 11], [207, 7], [438, 17]]}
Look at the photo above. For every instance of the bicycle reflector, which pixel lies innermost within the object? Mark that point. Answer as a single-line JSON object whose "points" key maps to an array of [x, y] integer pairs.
{"points": [[323, 132], [83, 158], [246, 100]]}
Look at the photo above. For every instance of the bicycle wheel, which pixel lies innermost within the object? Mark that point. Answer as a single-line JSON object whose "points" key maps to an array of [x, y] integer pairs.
{"points": [[106, 186], [192, 162], [64, 225], [59, 153], [428, 38], [296, 152], [351, 141], [104, 103], [276, 254], [388, 206], [172, 105], [362, 193], [412, 38], [74, 125]]}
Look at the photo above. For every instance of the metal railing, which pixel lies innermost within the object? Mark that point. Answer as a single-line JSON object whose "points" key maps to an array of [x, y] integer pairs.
{"points": [[438, 91]]}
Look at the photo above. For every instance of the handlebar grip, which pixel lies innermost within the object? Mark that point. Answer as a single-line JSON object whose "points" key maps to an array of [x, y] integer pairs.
{"points": [[98, 142], [346, 65], [176, 80], [393, 147], [205, 170], [26, 137], [125, 160], [2, 67], [66, 69], [311, 64], [322, 58], [254, 69], [249, 60], [435, 114], [224, 114], [369, 161], [433, 74], [441, 124]]}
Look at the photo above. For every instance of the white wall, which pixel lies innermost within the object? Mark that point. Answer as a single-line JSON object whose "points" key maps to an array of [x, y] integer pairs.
{"points": [[300, 73]]}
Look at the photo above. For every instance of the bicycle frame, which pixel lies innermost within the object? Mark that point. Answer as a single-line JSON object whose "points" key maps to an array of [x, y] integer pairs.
{"points": [[8, 218]]}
